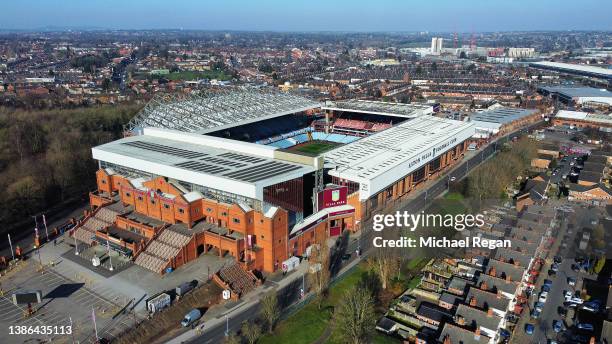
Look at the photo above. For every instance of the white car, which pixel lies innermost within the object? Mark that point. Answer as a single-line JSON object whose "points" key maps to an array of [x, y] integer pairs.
{"points": [[568, 295], [542, 298], [576, 300]]}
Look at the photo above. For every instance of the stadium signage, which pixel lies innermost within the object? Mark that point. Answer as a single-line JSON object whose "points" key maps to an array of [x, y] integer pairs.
{"points": [[332, 197], [443, 146]]}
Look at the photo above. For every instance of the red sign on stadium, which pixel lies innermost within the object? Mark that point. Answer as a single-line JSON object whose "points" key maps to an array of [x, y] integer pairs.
{"points": [[332, 197]]}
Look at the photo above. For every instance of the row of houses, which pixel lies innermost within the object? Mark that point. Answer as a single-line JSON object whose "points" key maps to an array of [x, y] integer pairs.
{"points": [[479, 297]]}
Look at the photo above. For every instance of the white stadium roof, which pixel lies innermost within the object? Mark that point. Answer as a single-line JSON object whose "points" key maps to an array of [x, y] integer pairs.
{"points": [[232, 166], [380, 159], [214, 111], [379, 108]]}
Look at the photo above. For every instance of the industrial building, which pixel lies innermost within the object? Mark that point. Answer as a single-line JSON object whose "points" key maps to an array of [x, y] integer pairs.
{"points": [[583, 96], [579, 119], [498, 120], [575, 69], [257, 175]]}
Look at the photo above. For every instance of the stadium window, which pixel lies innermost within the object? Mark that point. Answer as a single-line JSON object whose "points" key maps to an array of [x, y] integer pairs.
{"points": [[152, 201], [127, 194], [236, 220], [166, 206], [140, 198], [262, 237], [197, 210], [223, 214], [103, 181], [209, 210], [181, 210]]}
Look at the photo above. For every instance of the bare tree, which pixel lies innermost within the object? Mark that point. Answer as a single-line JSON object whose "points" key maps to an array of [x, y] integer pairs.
{"points": [[251, 331], [320, 274], [355, 315], [270, 312], [383, 262]]}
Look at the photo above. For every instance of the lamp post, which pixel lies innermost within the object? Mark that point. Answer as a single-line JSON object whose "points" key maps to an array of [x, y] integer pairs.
{"points": [[226, 326]]}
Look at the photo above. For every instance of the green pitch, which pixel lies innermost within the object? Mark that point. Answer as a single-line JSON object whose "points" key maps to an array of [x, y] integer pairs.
{"points": [[315, 147]]}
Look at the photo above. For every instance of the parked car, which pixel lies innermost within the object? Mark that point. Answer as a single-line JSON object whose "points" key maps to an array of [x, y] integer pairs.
{"points": [[567, 294], [571, 281], [538, 306], [585, 327], [529, 329], [557, 326], [535, 314], [546, 288], [191, 317], [548, 282]]}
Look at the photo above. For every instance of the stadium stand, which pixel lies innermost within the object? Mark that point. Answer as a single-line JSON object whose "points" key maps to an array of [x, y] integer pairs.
{"points": [[237, 279], [162, 249]]}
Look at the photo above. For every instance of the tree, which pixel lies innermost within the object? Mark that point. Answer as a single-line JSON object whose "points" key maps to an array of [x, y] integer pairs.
{"points": [[232, 339], [383, 263], [319, 279], [270, 312], [355, 315], [251, 331]]}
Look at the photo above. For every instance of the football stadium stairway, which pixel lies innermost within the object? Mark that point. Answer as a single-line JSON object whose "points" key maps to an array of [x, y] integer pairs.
{"points": [[99, 219], [162, 249]]}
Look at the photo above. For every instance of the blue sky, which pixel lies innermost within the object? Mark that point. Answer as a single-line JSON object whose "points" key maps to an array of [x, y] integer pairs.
{"points": [[311, 15]]}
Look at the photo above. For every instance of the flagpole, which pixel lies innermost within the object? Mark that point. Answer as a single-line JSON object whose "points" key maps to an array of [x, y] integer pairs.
{"points": [[11, 245], [71, 329], [110, 259], [46, 230]]}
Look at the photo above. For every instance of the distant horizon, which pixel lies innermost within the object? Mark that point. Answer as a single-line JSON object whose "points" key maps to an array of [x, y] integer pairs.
{"points": [[384, 16], [107, 29]]}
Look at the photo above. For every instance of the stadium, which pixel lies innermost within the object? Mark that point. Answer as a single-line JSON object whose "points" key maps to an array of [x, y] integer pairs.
{"points": [[258, 175]]}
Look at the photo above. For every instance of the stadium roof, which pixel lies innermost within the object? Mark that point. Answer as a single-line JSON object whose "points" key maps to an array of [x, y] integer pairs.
{"points": [[502, 115], [232, 166], [584, 116], [213, 111], [379, 108], [378, 160], [574, 68]]}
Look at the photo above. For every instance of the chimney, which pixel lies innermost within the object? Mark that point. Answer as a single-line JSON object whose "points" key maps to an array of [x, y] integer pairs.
{"points": [[477, 333], [516, 263], [493, 271], [508, 278], [490, 312], [473, 301], [484, 286], [447, 339], [460, 320]]}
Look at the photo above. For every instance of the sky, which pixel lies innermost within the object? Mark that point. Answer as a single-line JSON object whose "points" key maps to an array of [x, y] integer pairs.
{"points": [[310, 15]]}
